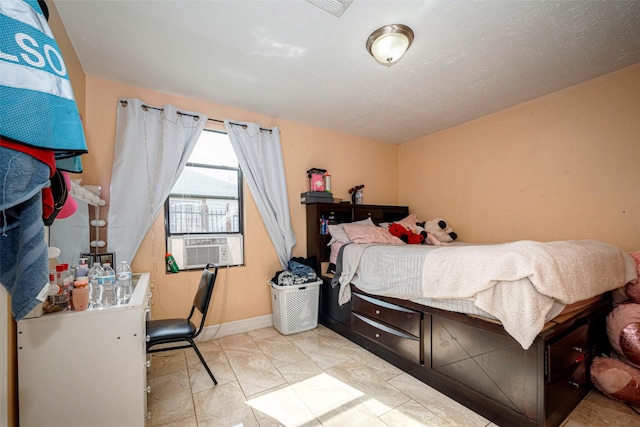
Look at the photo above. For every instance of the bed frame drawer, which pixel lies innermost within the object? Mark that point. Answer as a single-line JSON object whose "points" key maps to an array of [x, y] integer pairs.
{"points": [[395, 316], [567, 355], [406, 345], [567, 370]]}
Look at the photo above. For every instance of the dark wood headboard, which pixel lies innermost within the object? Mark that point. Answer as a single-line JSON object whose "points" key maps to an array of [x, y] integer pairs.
{"points": [[343, 212]]}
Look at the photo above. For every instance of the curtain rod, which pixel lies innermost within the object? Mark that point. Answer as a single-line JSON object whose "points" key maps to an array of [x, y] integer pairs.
{"points": [[144, 106]]}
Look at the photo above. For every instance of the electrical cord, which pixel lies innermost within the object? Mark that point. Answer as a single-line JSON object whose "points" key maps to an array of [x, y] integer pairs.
{"points": [[224, 301]]}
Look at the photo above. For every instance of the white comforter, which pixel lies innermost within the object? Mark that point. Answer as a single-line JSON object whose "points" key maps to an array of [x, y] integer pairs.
{"points": [[515, 282]]}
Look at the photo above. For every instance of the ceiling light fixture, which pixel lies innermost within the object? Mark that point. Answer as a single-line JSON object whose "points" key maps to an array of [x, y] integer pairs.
{"points": [[387, 44]]}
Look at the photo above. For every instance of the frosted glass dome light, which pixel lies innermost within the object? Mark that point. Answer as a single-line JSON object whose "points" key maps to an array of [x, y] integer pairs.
{"points": [[389, 43]]}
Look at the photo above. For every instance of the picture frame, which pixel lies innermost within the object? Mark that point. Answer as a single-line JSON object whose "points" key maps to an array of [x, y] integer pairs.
{"points": [[91, 258], [109, 257]]}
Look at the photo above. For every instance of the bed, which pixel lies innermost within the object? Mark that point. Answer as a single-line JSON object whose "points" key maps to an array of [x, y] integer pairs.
{"points": [[469, 334], [522, 284]]}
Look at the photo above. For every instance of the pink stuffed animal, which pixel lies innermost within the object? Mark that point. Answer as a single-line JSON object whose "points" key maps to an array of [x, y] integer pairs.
{"points": [[619, 376]]}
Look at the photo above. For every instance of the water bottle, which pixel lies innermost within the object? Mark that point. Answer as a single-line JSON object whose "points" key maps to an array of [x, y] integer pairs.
{"points": [[327, 182], [108, 295], [124, 283], [95, 284]]}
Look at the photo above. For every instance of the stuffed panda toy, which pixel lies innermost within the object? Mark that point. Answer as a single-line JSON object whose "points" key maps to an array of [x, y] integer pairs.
{"points": [[439, 228]]}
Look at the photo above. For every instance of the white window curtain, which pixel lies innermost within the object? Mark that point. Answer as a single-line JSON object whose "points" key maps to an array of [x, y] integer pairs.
{"points": [[260, 157], [152, 148]]}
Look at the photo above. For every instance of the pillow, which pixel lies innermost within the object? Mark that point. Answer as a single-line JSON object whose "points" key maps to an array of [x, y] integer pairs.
{"points": [[368, 234], [633, 289], [338, 234], [333, 255], [409, 222], [623, 323]]}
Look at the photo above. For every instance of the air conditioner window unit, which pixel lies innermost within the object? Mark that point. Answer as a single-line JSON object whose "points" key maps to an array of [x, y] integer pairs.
{"points": [[196, 251]]}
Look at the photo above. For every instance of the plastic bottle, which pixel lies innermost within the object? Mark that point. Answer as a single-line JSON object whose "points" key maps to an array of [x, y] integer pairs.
{"points": [[60, 277], [67, 286], [95, 284], [172, 266], [83, 268], [53, 284], [73, 268], [108, 295], [327, 182], [109, 274], [60, 298], [323, 225], [124, 283]]}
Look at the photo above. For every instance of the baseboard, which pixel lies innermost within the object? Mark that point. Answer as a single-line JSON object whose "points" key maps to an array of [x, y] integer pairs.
{"points": [[221, 330]]}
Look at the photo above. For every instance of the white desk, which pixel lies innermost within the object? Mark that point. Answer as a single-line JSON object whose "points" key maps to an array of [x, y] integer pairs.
{"points": [[85, 368]]}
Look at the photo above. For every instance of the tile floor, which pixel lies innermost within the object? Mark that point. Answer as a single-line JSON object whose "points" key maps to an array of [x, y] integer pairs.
{"points": [[314, 378]]}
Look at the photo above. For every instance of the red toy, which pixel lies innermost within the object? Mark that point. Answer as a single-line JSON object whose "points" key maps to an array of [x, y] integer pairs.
{"points": [[407, 235]]}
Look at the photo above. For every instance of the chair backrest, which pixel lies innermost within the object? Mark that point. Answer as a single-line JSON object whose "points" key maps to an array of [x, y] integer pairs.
{"points": [[203, 295]]}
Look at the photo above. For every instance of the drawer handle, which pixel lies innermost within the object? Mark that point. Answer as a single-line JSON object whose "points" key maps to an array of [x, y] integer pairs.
{"points": [[576, 385], [377, 335], [578, 349], [377, 311]]}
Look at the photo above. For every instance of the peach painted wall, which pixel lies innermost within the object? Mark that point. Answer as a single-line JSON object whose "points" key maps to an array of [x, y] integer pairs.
{"points": [[350, 159], [71, 61], [564, 166]]}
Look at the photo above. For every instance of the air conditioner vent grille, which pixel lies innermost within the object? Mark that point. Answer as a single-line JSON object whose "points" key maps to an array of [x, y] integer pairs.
{"points": [[205, 241], [197, 251], [334, 7], [202, 255]]}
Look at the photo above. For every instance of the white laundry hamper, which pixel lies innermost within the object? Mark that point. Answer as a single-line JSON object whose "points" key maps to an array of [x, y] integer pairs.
{"points": [[295, 307]]}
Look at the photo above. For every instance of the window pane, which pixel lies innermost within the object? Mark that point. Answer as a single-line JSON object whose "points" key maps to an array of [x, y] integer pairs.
{"points": [[207, 182], [207, 196], [214, 148], [203, 215]]}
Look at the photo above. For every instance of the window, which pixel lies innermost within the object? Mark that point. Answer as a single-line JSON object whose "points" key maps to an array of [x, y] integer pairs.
{"points": [[204, 209]]}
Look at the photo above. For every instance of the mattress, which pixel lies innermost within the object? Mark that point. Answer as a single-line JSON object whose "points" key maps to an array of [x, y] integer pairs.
{"points": [[522, 284]]}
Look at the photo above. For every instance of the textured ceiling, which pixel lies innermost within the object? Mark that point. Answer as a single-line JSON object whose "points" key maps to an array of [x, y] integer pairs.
{"points": [[292, 60]]}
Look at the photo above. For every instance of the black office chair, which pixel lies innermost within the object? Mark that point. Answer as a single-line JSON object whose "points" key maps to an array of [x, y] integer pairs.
{"points": [[166, 331]]}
